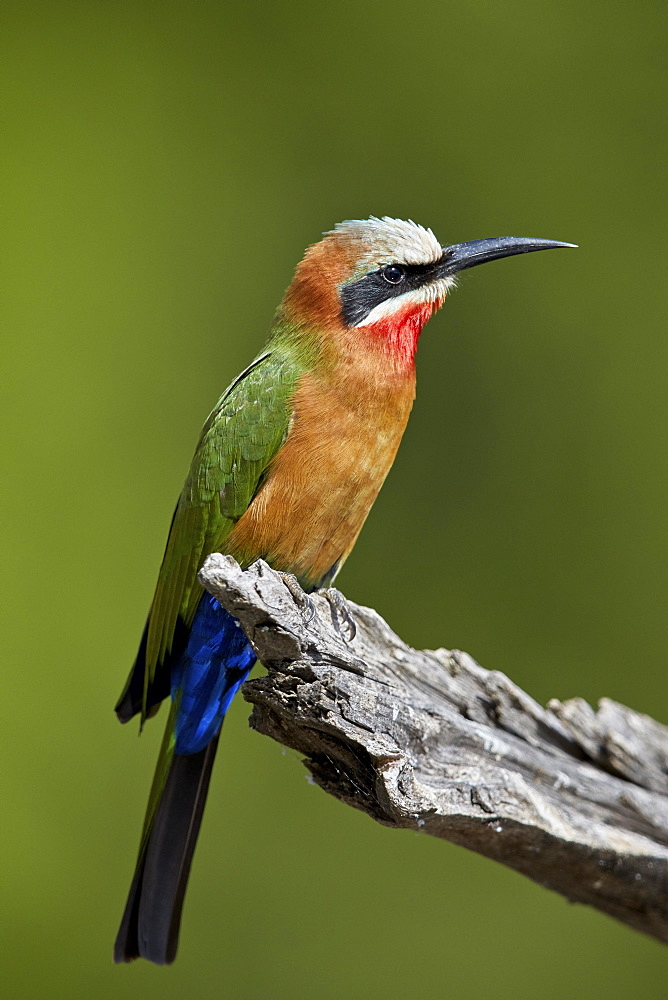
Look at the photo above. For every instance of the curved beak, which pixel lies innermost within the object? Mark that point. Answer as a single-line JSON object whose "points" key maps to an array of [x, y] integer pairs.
{"points": [[462, 255]]}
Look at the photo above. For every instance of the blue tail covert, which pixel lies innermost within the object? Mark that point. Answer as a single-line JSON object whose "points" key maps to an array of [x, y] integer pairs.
{"points": [[212, 668]]}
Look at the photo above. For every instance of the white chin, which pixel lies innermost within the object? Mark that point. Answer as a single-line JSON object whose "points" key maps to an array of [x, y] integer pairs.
{"points": [[434, 292]]}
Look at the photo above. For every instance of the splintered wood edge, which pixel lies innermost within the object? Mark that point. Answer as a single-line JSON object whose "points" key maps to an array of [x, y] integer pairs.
{"points": [[431, 741]]}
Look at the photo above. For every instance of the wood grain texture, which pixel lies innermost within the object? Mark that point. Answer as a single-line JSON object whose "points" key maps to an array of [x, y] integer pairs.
{"points": [[573, 798]]}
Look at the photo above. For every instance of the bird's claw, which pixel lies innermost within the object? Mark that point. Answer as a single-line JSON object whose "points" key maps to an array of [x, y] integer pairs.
{"points": [[302, 599], [342, 616]]}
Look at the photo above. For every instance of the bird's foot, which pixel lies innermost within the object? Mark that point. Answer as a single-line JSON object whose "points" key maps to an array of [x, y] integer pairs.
{"points": [[300, 597], [342, 616]]}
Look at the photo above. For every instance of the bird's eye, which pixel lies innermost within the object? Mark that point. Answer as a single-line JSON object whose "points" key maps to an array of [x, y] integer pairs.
{"points": [[393, 273]]}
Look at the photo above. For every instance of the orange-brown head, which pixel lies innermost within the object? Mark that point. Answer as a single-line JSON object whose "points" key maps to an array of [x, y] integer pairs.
{"points": [[384, 278]]}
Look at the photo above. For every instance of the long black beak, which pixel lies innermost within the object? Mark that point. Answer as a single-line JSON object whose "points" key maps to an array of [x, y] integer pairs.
{"points": [[462, 255]]}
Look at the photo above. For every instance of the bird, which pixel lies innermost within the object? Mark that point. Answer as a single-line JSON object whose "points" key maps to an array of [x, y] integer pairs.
{"points": [[287, 467]]}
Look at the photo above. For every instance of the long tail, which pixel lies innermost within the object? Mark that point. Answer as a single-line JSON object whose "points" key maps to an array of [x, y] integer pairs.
{"points": [[150, 925], [215, 663]]}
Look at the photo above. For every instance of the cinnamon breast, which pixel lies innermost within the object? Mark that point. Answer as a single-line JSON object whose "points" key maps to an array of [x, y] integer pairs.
{"points": [[343, 437]]}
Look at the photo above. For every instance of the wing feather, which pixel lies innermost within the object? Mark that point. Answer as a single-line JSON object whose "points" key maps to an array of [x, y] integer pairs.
{"points": [[241, 436]]}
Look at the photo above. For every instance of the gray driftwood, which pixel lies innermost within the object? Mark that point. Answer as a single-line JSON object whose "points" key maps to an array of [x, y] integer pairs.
{"points": [[428, 740]]}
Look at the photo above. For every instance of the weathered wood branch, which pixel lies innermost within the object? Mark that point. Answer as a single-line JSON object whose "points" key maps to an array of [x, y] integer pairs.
{"points": [[428, 740]]}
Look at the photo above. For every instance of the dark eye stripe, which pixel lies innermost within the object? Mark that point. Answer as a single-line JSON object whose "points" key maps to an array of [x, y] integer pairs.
{"points": [[363, 295]]}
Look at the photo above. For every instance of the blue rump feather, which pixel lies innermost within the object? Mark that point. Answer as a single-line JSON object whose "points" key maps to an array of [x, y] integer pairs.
{"points": [[212, 668]]}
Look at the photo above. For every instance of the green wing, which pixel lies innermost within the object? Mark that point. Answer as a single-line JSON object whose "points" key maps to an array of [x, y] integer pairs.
{"points": [[237, 443]]}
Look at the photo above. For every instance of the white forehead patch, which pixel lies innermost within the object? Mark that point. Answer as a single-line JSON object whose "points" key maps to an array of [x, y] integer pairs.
{"points": [[389, 241]]}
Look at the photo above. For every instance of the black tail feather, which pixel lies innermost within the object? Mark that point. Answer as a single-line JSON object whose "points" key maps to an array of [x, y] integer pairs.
{"points": [[130, 702], [150, 925]]}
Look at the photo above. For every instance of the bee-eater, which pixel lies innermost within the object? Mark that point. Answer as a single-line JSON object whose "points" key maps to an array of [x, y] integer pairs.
{"points": [[286, 469]]}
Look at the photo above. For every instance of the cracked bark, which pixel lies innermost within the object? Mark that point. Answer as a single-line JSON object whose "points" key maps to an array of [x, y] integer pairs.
{"points": [[573, 798]]}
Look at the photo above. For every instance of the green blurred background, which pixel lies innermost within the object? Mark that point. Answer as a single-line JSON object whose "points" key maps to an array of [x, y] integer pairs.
{"points": [[163, 167]]}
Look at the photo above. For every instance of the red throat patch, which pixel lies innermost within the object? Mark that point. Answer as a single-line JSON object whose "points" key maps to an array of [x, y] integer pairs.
{"points": [[400, 332]]}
